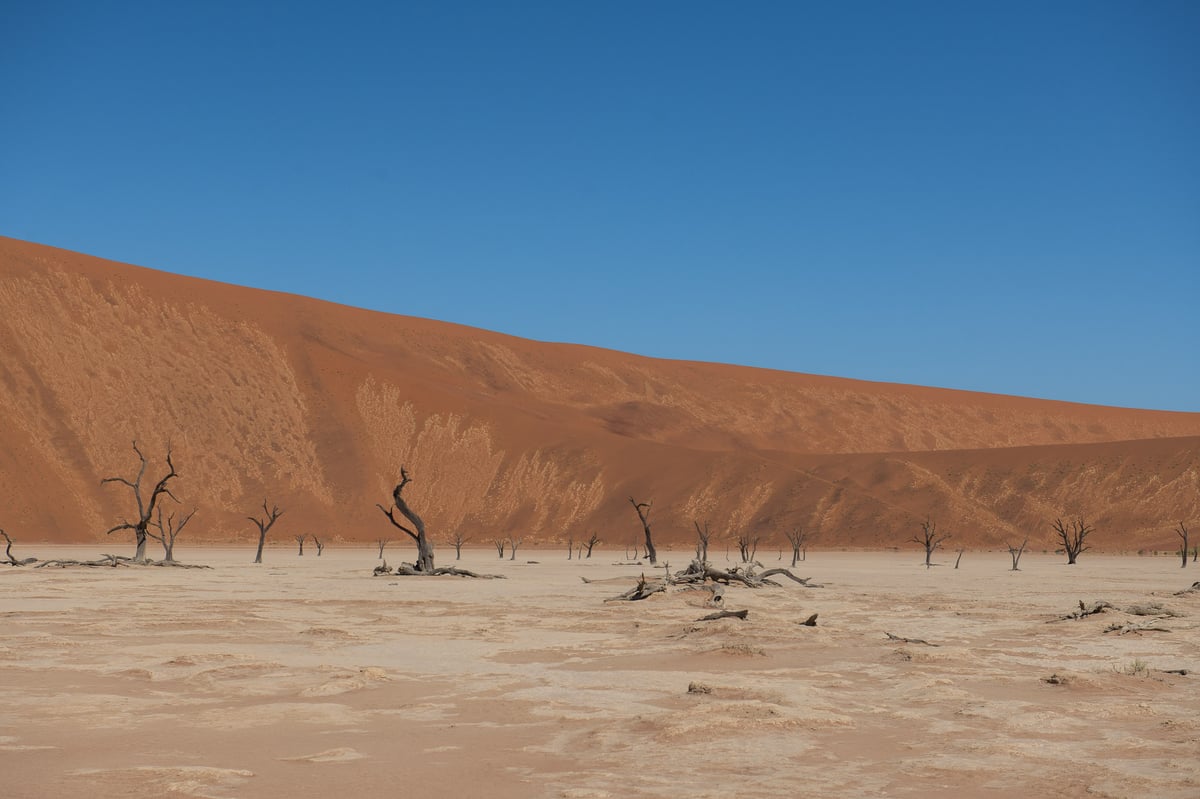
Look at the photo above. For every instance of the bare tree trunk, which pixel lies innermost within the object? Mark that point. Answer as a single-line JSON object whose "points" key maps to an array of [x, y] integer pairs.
{"points": [[570, 546], [959, 558], [643, 512], [264, 525], [1015, 553], [500, 545], [459, 540], [1182, 532], [168, 531], [300, 541], [145, 509], [513, 543], [319, 545], [424, 562], [703, 534], [382, 542], [931, 539], [1072, 539]]}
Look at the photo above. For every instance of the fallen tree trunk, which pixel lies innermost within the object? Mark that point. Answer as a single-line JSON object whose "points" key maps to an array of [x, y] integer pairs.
{"points": [[908, 640], [725, 614], [410, 570]]}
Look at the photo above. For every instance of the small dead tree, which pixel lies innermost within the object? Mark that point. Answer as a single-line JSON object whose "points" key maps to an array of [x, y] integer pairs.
{"points": [[300, 541], [500, 544], [1015, 553], [643, 512], [264, 526], [145, 508], [424, 562], [703, 534], [458, 540], [570, 545], [1182, 532], [931, 539], [513, 543], [318, 544], [1072, 538], [382, 542], [168, 531], [798, 538], [590, 544], [747, 547]]}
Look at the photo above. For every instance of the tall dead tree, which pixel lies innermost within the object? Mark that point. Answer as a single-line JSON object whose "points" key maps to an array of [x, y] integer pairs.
{"points": [[703, 534], [458, 540], [264, 526], [1072, 538], [300, 541], [424, 563], [168, 531], [931, 539], [500, 545], [319, 545], [382, 542], [747, 547], [513, 543], [798, 538], [1182, 532], [643, 512], [590, 544], [145, 507], [1015, 553]]}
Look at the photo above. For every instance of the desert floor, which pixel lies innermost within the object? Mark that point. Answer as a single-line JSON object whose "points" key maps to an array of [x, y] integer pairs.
{"points": [[308, 677]]}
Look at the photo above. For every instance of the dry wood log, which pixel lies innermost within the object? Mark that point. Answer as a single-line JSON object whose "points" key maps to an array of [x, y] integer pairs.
{"points": [[410, 570], [909, 640], [811, 621], [725, 614], [1194, 589], [640, 591], [1085, 611], [1128, 627]]}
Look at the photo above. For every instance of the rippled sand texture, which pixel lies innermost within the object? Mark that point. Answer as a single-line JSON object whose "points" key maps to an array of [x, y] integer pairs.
{"points": [[307, 677]]}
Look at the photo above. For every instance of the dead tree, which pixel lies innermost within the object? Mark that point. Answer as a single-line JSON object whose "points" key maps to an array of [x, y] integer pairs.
{"points": [[300, 541], [458, 540], [747, 547], [318, 544], [264, 525], [424, 564], [1015, 553], [1182, 532], [570, 546], [931, 539], [382, 542], [168, 531], [798, 538], [703, 534], [500, 546], [513, 543], [958, 560], [1072, 538], [9, 556], [145, 508], [643, 512], [590, 544]]}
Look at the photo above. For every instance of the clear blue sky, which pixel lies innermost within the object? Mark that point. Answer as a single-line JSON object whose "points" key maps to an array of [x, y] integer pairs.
{"points": [[992, 196]]}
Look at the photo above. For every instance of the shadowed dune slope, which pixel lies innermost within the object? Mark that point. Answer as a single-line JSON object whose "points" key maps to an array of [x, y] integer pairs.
{"points": [[315, 406]]}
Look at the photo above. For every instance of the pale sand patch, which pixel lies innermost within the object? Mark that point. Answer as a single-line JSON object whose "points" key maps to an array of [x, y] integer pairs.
{"points": [[312, 678]]}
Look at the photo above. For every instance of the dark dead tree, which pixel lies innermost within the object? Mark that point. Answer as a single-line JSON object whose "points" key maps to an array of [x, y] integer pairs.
{"points": [[424, 563], [1072, 538], [590, 544], [1015, 553], [703, 534], [958, 560], [318, 544], [264, 525], [798, 538], [458, 540], [1182, 532], [513, 543], [145, 507], [382, 542], [931, 539], [300, 541], [168, 531], [500, 544], [747, 547], [643, 512], [8, 555]]}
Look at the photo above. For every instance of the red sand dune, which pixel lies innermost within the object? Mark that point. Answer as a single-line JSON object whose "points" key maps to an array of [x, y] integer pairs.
{"points": [[315, 406]]}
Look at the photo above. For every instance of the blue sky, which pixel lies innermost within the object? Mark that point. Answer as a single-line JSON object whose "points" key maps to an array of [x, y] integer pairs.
{"points": [[1000, 197]]}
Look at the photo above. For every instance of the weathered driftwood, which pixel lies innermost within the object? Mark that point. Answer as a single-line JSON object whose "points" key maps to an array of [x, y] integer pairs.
{"points": [[1194, 589], [410, 570], [1124, 628], [725, 614], [909, 640], [1084, 611], [118, 560], [811, 621], [642, 590], [9, 559], [698, 572]]}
